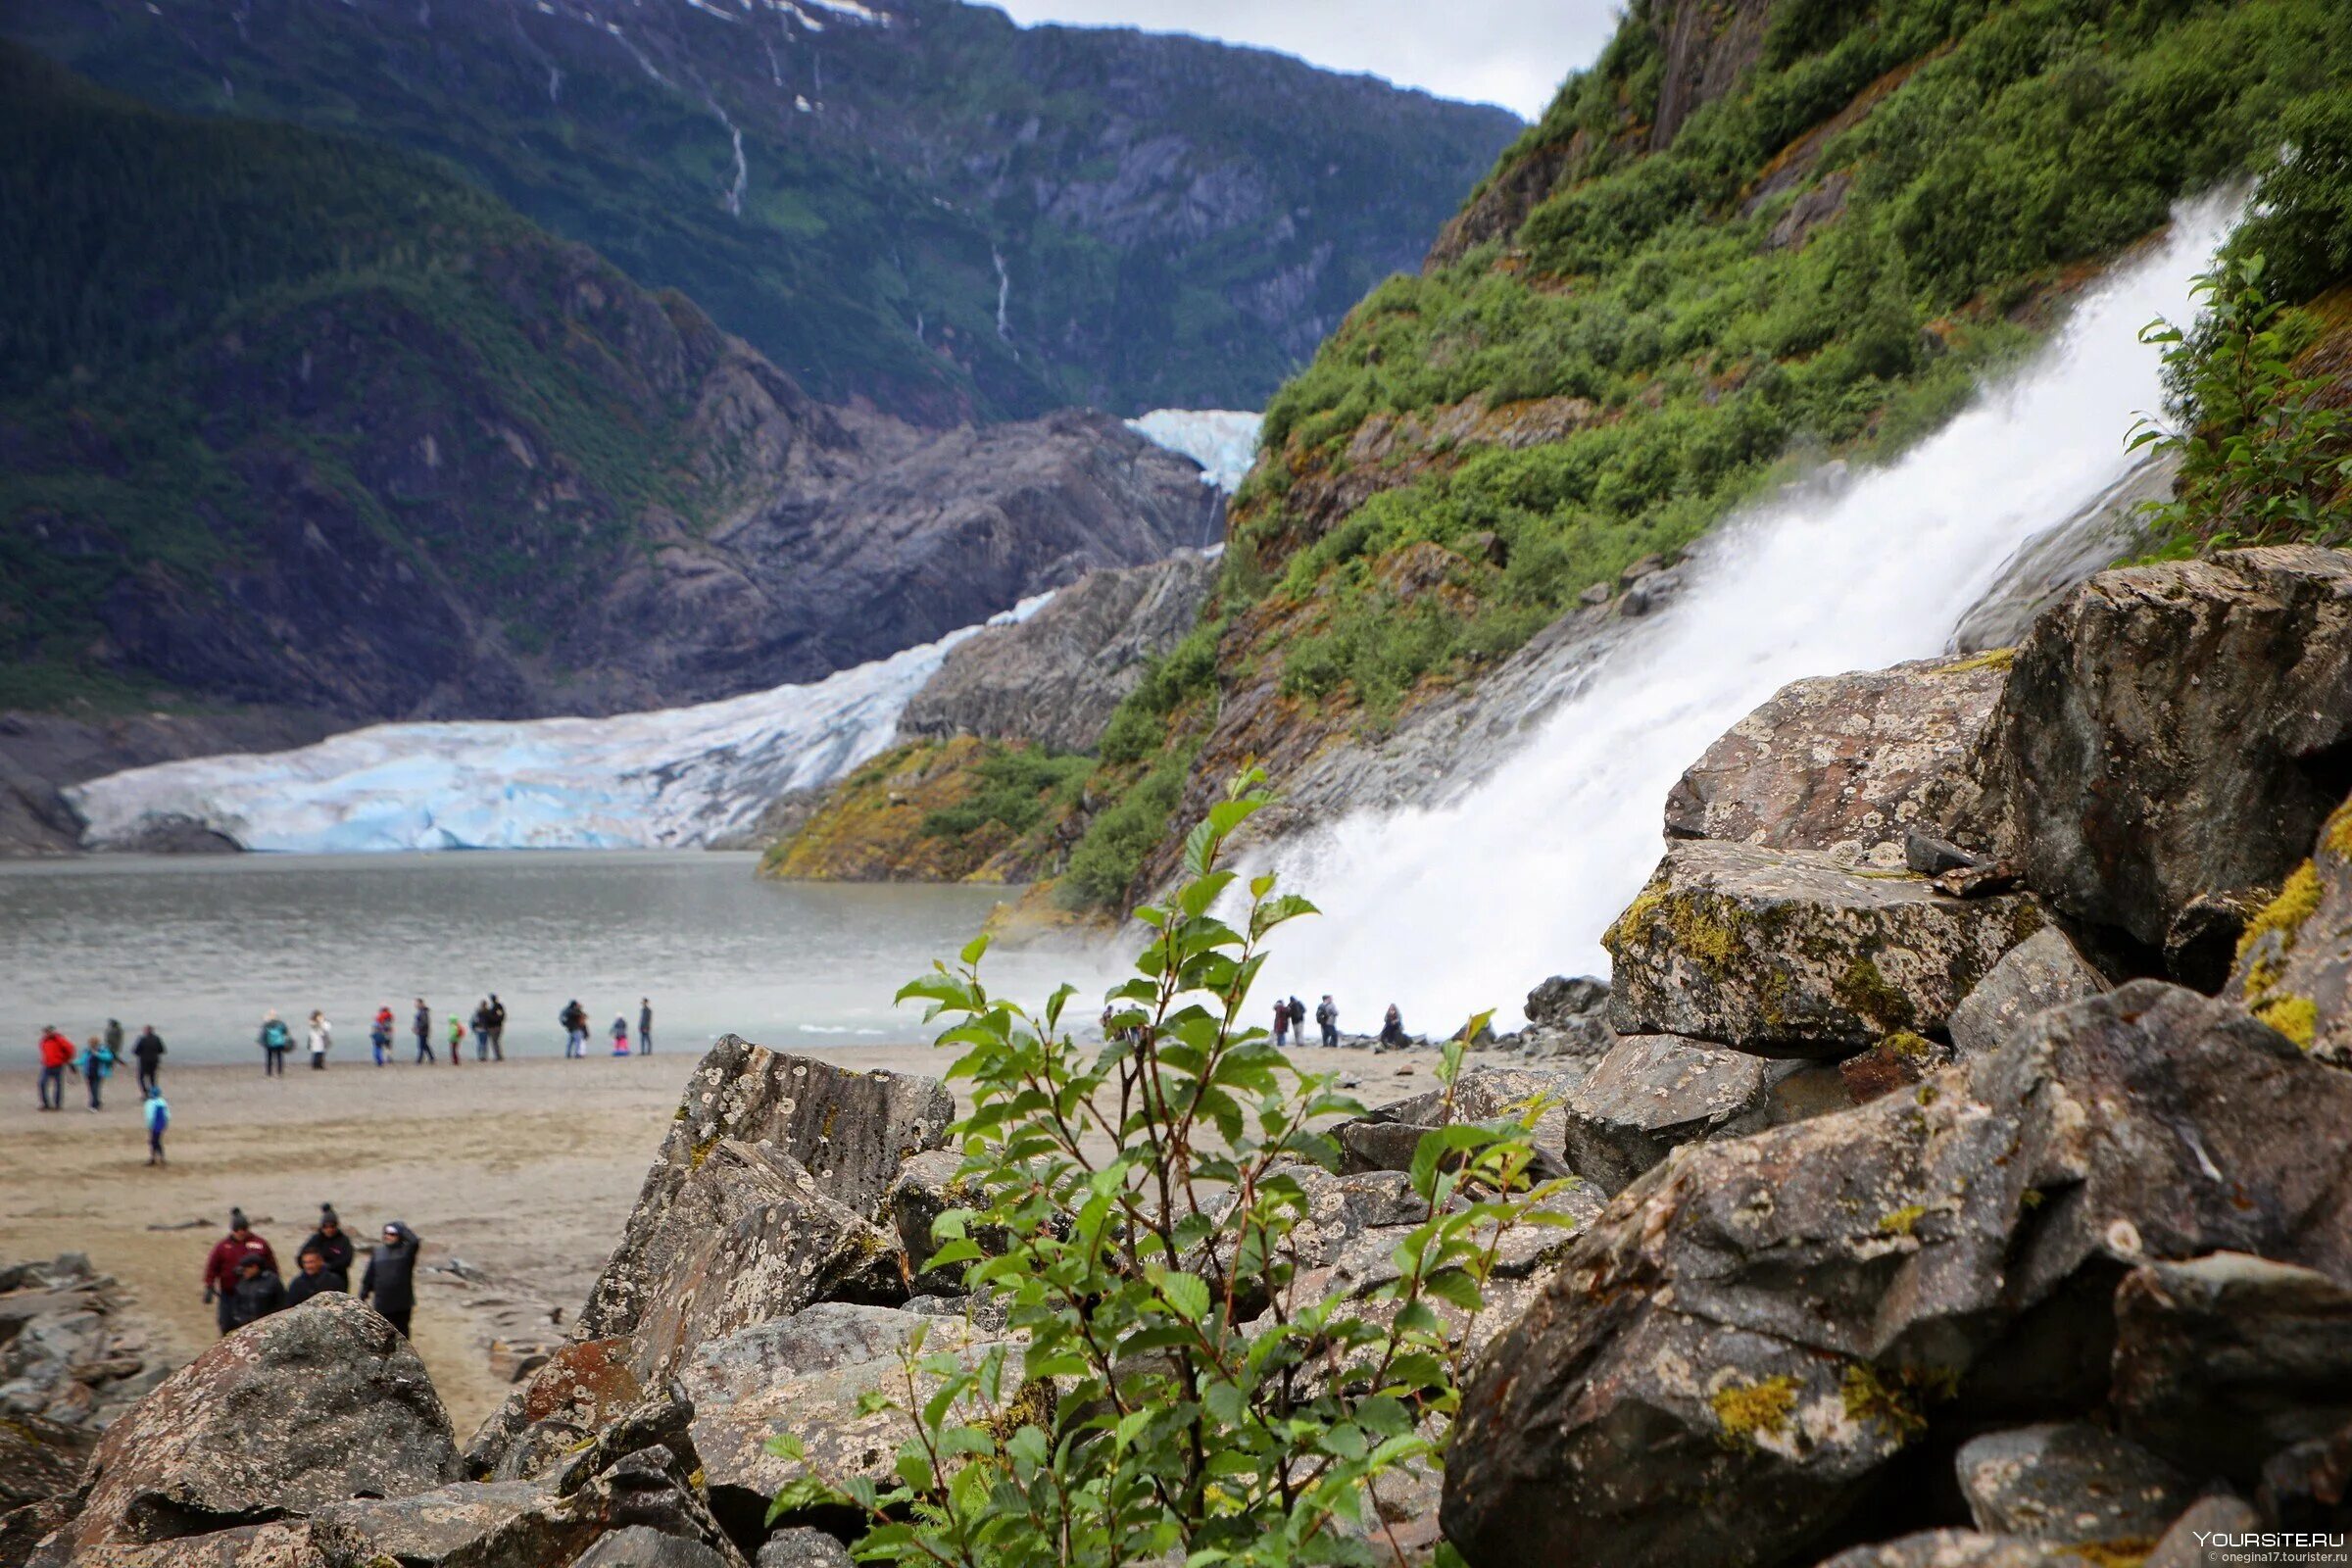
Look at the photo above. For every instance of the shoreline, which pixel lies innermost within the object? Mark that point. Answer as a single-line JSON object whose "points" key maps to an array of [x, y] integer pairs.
{"points": [[519, 1174]]}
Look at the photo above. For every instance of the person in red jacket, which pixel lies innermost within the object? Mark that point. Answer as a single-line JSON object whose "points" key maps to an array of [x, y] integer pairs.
{"points": [[57, 1055], [229, 1255]]}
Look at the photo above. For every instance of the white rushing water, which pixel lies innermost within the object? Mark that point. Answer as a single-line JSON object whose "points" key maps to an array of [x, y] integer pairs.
{"points": [[1223, 441], [668, 778], [1452, 910]]}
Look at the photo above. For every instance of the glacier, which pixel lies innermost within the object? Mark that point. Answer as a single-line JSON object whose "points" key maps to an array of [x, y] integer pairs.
{"points": [[665, 778], [1223, 441], [668, 778]]}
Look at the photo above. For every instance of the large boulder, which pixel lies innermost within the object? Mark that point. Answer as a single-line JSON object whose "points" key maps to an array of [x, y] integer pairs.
{"points": [[2177, 730], [1748, 1335], [1790, 954], [576, 1390], [2041, 972], [2294, 962], [847, 1129], [306, 1408], [1652, 1093], [1567, 1017], [1385, 1137], [756, 1238], [2222, 1362], [1845, 765], [1054, 678]]}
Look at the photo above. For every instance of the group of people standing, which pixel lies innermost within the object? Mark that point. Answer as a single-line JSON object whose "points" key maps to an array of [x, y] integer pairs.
{"points": [[574, 1019], [489, 1021], [96, 1063], [1289, 1023], [242, 1284]]}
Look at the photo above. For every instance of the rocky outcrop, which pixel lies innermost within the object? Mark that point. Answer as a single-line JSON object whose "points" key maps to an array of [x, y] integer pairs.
{"points": [[2116, 526], [847, 1131], [1790, 954], [70, 1360], [578, 1388], [1566, 1017], [1778, 1316], [1845, 765], [2295, 958], [1053, 680], [1651, 1094], [2177, 730], [2041, 972], [220, 1444]]}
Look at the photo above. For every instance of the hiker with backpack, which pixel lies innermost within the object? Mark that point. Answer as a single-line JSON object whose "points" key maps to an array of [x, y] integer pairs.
{"points": [[157, 1116], [457, 1042], [275, 1040], [574, 1019], [422, 1023], [97, 1063]]}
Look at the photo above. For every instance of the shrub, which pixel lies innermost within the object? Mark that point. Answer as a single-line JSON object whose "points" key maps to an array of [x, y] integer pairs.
{"points": [[1203, 1410]]}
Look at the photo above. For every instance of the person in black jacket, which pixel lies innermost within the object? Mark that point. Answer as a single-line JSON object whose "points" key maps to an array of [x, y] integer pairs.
{"points": [[257, 1294], [329, 1243], [315, 1277], [148, 1049], [391, 1277]]}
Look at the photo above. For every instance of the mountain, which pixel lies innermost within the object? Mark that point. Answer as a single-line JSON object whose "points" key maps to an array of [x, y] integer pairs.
{"points": [[1754, 236], [914, 203]]}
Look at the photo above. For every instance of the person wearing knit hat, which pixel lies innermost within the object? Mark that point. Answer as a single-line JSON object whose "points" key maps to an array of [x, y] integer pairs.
{"points": [[329, 1242], [222, 1266]]}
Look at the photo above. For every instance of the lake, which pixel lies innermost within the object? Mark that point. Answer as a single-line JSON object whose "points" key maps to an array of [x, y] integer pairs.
{"points": [[201, 946]]}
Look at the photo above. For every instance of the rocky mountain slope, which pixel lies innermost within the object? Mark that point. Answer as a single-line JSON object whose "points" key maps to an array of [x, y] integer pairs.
{"points": [[1752, 237], [914, 203]]}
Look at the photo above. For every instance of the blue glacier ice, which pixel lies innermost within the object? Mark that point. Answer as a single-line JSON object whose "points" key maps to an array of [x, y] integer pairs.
{"points": [[1223, 441]]}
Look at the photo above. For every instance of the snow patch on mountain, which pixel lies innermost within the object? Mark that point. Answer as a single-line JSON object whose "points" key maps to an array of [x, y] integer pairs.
{"points": [[1223, 441], [665, 779]]}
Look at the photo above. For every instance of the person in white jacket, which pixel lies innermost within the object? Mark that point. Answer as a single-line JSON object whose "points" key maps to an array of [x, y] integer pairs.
{"points": [[323, 1035]]}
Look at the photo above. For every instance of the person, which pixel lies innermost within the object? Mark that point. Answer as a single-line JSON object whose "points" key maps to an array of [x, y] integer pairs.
{"points": [[457, 1042], [148, 1051], [574, 1019], [323, 1035], [114, 1039], [312, 1276], [379, 1035], [329, 1243], [645, 1026], [498, 1028], [57, 1055], [621, 1035], [97, 1063], [1392, 1030], [391, 1277], [277, 1040], [1281, 1023], [1298, 1020], [1327, 1017], [424, 1025], [159, 1116], [481, 1030], [257, 1293], [221, 1264]]}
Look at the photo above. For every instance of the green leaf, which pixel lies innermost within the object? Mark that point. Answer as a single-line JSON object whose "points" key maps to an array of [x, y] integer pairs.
{"points": [[1186, 1296]]}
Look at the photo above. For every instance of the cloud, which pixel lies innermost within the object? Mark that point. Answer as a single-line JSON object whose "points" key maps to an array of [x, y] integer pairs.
{"points": [[1509, 52]]}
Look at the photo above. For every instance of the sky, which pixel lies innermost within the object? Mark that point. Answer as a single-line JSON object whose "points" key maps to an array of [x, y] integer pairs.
{"points": [[1508, 52]]}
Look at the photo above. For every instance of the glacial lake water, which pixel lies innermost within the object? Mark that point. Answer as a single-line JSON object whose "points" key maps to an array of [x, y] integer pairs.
{"points": [[201, 946]]}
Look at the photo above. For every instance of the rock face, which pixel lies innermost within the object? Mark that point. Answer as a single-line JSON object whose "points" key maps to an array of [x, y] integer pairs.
{"points": [[69, 1365], [2069, 1484], [578, 1388], [321, 1403], [1845, 764], [1652, 1093], [2177, 730], [848, 1131], [2294, 960], [1054, 678], [1751, 1332], [2224, 1360], [2042, 972], [1790, 954]]}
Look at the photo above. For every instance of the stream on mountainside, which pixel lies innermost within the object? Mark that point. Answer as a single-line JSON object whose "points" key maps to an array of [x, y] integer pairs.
{"points": [[201, 946], [1452, 911]]}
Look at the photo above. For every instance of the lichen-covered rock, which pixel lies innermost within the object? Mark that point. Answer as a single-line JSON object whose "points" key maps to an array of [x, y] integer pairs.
{"points": [[2174, 730], [1385, 1137], [642, 1546], [307, 1406], [40, 1457], [429, 1528], [1901, 1060], [800, 1546], [579, 1389], [1654, 1092], [757, 1238], [267, 1545], [2071, 1484], [2040, 972], [2294, 958], [1567, 1017], [2183, 1546], [1954, 1549], [1845, 765], [1722, 1362], [1789, 953], [2222, 1361], [850, 1131], [925, 1188]]}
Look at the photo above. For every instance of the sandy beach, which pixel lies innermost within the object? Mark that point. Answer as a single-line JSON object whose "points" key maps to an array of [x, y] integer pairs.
{"points": [[518, 1175]]}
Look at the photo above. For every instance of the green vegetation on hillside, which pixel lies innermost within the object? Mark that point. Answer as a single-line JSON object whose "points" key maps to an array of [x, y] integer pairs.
{"points": [[1892, 200]]}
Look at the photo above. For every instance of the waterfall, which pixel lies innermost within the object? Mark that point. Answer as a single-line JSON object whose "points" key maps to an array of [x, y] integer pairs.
{"points": [[1451, 910]]}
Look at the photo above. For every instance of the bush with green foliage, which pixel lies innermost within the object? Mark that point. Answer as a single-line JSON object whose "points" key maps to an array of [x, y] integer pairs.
{"points": [[1018, 786], [1142, 1198]]}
